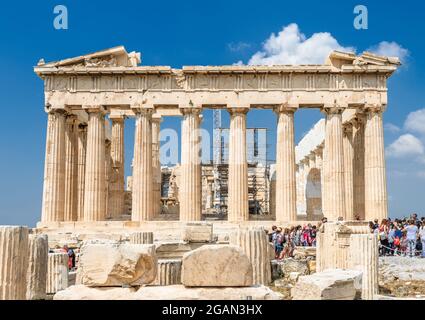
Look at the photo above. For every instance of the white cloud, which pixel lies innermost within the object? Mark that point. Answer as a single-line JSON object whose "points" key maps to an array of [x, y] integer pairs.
{"points": [[415, 121], [290, 46], [406, 145], [391, 128], [390, 49]]}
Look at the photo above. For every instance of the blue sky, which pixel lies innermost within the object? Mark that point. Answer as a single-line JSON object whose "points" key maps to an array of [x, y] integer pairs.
{"points": [[180, 33]]}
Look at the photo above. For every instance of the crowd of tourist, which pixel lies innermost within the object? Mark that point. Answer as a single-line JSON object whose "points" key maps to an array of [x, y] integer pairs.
{"points": [[286, 239], [404, 237], [401, 236]]}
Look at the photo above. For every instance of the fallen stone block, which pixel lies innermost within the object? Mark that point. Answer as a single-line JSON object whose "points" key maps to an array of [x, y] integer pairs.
{"points": [[103, 264], [197, 232], [332, 284], [217, 266]]}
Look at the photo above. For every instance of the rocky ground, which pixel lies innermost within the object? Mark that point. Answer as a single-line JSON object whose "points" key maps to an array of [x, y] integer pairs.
{"points": [[402, 277]]}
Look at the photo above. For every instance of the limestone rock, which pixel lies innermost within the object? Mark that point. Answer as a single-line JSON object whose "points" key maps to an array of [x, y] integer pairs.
{"points": [[217, 266], [198, 232], [114, 264], [332, 284], [82, 292], [282, 268], [179, 292], [37, 267]]}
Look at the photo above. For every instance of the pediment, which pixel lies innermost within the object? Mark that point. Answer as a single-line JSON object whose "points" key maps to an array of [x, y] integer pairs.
{"points": [[113, 57]]}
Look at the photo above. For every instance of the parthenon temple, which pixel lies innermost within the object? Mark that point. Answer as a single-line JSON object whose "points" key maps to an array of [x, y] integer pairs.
{"points": [[336, 171]]}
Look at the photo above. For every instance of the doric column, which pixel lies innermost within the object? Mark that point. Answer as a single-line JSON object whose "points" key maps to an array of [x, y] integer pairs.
{"points": [[286, 207], [142, 209], [116, 183], [13, 262], [333, 157], [190, 191], [238, 168], [311, 200], [81, 168], [108, 176], [57, 272], [156, 164], [358, 167], [54, 168], [142, 237], [37, 266], [95, 176], [376, 204], [348, 171], [71, 175]]}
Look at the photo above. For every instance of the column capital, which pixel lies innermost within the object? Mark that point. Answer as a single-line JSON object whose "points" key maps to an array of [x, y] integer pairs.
{"points": [[238, 110], [157, 118], [117, 117], [332, 109], [143, 109], [190, 110], [285, 108], [95, 109], [375, 108]]}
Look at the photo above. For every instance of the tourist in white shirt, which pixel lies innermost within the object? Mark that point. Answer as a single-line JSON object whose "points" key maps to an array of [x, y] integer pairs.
{"points": [[412, 231]]}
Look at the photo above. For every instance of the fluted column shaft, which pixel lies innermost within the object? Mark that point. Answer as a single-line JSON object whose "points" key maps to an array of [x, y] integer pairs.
{"points": [[348, 171], [54, 168], [108, 176], [81, 169], [190, 192], [376, 201], [238, 167], [71, 168], [95, 176], [142, 204], [13, 262], [358, 167], [333, 157], [286, 209], [156, 164], [116, 183]]}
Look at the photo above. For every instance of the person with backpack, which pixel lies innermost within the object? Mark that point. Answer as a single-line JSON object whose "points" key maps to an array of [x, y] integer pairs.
{"points": [[278, 242]]}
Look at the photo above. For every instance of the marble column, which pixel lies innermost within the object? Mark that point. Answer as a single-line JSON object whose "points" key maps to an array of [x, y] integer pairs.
{"points": [[95, 176], [286, 209], [358, 167], [71, 168], [309, 183], [81, 168], [348, 171], [333, 158], [376, 201], [108, 176], [156, 164], [142, 204], [54, 168], [37, 266], [116, 183], [190, 191], [14, 257], [238, 168]]}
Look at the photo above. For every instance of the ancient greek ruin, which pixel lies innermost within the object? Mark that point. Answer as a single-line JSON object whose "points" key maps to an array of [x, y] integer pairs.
{"points": [[200, 230]]}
